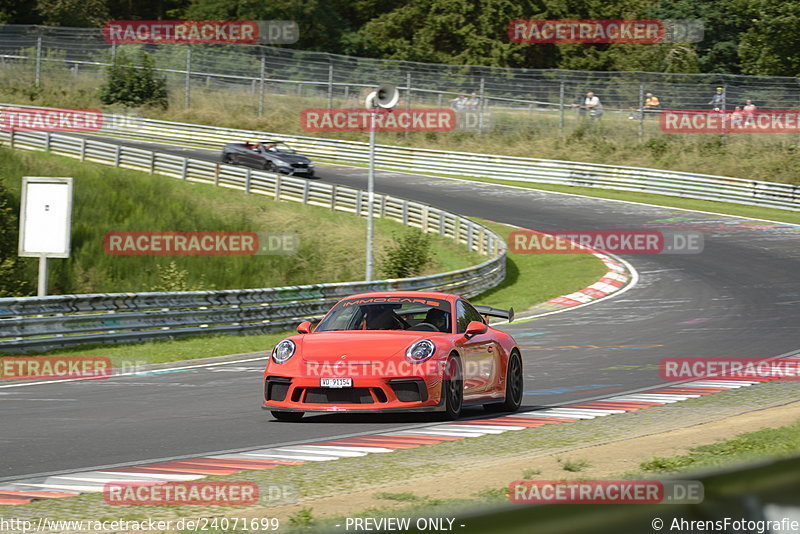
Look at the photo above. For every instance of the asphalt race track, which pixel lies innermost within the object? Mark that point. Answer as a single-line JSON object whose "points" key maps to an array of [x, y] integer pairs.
{"points": [[739, 298]]}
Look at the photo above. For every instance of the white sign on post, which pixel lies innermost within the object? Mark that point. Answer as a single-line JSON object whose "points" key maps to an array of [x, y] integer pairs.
{"points": [[45, 221]]}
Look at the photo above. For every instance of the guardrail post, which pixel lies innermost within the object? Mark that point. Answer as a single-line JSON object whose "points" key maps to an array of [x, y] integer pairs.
{"points": [[425, 218], [641, 112], [277, 187], [46, 141], [152, 162], [383, 207], [408, 90], [306, 187], [470, 237], [38, 74], [358, 202], [481, 244], [457, 229], [330, 82], [482, 105], [184, 168], [261, 89], [83, 149], [442, 223], [216, 174], [11, 138], [117, 155], [188, 80], [247, 181], [405, 213], [334, 192]]}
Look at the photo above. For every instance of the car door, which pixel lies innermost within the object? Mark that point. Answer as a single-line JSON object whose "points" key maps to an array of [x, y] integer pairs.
{"points": [[478, 353]]}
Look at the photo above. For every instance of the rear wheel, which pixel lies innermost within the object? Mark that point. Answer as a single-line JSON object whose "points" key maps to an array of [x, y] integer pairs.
{"points": [[288, 416], [514, 387], [453, 389]]}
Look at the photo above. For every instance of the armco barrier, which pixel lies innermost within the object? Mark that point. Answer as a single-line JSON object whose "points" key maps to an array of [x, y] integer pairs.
{"points": [[42, 323], [515, 169]]}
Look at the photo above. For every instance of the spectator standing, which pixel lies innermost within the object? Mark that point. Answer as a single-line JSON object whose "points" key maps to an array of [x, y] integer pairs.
{"points": [[459, 103], [591, 105], [749, 110], [474, 101], [651, 105], [717, 101]]}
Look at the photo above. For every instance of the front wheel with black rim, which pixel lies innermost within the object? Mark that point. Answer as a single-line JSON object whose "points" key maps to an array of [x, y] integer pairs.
{"points": [[291, 417], [514, 387], [452, 389]]}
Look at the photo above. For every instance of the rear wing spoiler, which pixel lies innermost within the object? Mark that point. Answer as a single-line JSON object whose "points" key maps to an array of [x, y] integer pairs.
{"points": [[496, 312]]}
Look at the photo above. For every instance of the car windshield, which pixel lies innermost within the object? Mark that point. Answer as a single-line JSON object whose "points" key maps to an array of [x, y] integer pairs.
{"points": [[278, 146], [389, 313]]}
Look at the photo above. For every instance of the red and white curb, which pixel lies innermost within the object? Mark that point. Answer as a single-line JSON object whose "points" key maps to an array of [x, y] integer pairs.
{"points": [[93, 481], [616, 278]]}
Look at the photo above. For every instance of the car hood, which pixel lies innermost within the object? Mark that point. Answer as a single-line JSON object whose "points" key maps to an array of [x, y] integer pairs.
{"points": [[358, 346]]}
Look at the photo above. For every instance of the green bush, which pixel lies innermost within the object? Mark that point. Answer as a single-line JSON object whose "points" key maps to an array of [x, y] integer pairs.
{"points": [[134, 85], [408, 255], [13, 282]]}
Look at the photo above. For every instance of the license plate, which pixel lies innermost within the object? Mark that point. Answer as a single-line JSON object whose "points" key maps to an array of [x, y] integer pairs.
{"points": [[336, 382]]}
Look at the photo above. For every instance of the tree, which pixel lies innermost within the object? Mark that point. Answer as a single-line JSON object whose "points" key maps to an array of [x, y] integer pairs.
{"points": [[73, 13], [134, 85], [770, 46]]}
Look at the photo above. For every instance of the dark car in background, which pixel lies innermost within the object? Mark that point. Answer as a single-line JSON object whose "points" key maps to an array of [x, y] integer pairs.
{"points": [[275, 156]]}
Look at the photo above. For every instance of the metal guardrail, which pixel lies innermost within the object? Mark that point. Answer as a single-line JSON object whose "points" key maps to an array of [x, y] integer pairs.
{"points": [[42, 323], [507, 168]]}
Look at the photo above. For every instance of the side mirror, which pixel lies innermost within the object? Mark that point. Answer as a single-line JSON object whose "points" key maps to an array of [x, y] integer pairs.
{"points": [[474, 328], [304, 328]]}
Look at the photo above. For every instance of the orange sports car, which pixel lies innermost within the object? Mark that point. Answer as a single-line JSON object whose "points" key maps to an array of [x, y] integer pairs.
{"points": [[396, 351]]}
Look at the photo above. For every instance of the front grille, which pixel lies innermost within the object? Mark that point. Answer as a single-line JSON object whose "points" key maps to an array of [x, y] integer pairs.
{"points": [[300, 165], [276, 388], [339, 396], [409, 390]]}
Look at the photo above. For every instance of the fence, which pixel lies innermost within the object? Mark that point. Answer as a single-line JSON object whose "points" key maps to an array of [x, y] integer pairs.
{"points": [[514, 169], [516, 98], [42, 323]]}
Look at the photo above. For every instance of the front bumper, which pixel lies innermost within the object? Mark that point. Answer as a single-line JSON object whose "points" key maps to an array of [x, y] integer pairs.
{"points": [[367, 395]]}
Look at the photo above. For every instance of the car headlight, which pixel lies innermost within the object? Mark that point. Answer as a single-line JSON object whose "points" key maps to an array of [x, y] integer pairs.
{"points": [[310, 164], [420, 351], [283, 351]]}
